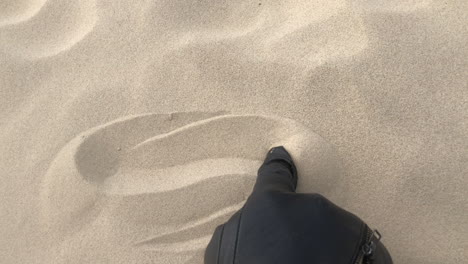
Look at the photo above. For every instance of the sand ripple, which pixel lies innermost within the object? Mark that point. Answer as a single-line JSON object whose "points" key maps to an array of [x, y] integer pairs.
{"points": [[304, 33], [43, 28], [16, 11], [192, 170], [396, 6]]}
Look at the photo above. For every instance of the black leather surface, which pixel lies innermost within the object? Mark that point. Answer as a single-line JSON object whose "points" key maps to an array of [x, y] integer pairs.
{"points": [[277, 225]]}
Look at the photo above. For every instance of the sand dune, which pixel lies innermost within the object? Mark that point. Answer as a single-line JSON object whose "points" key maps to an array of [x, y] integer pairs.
{"points": [[129, 130]]}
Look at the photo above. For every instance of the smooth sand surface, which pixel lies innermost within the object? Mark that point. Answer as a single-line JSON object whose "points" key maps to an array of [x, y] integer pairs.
{"points": [[130, 129]]}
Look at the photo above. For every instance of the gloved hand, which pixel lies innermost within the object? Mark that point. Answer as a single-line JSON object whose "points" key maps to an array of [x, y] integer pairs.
{"points": [[278, 225]]}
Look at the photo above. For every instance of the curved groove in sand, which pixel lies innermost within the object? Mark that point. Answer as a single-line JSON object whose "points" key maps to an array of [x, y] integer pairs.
{"points": [[174, 163], [47, 30], [132, 180], [196, 229], [191, 245]]}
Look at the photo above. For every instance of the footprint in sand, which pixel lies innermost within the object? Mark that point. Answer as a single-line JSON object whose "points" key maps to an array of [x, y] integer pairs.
{"points": [[180, 173], [33, 29]]}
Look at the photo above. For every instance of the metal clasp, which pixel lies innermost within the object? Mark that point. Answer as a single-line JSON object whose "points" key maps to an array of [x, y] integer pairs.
{"points": [[369, 248]]}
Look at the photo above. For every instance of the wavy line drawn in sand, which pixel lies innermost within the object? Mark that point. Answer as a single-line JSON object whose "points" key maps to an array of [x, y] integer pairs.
{"points": [[38, 29], [185, 159]]}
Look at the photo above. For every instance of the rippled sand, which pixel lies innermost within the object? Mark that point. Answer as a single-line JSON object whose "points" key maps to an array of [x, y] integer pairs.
{"points": [[130, 130]]}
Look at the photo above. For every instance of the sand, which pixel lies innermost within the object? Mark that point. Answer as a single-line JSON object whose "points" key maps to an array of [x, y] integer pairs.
{"points": [[129, 130]]}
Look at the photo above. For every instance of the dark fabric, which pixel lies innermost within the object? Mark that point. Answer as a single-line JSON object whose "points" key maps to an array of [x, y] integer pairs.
{"points": [[277, 225]]}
